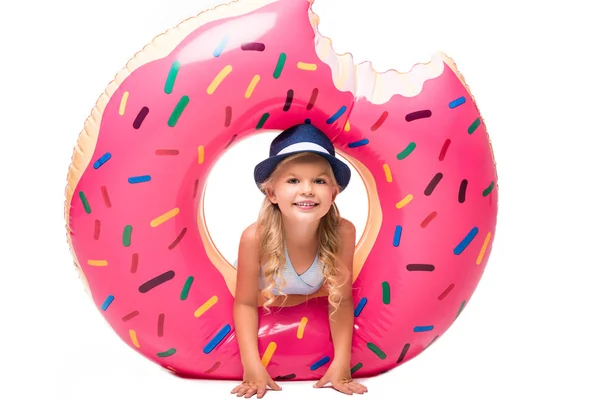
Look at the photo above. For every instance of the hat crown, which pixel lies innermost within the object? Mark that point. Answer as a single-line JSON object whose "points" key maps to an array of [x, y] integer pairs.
{"points": [[304, 133]]}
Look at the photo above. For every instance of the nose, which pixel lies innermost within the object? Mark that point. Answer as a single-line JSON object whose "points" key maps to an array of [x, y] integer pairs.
{"points": [[307, 188]]}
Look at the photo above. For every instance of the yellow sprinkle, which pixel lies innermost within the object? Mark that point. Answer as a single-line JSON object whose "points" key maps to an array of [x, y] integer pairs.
{"points": [[98, 263], [301, 327], [388, 172], [123, 103], [404, 201], [347, 126], [268, 353], [134, 338], [200, 154], [218, 79], [252, 85], [165, 217], [307, 66], [204, 307], [484, 247], [171, 368]]}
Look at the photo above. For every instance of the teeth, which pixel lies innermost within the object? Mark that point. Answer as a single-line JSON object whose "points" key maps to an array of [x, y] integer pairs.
{"points": [[305, 204]]}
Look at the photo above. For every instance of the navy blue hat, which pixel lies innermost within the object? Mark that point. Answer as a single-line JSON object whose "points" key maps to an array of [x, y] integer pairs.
{"points": [[299, 139]]}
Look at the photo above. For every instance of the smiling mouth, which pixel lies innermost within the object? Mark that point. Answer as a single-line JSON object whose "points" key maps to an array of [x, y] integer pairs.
{"points": [[306, 204]]}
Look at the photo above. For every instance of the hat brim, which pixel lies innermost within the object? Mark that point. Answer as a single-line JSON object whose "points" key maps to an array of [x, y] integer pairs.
{"points": [[265, 168]]}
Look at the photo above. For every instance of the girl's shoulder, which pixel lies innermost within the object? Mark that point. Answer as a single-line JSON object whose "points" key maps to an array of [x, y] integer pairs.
{"points": [[250, 235], [347, 229]]}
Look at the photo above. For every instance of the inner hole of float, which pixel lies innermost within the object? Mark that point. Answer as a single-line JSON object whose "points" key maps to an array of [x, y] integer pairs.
{"points": [[232, 200]]}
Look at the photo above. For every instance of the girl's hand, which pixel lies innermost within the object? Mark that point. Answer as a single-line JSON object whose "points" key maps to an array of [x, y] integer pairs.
{"points": [[256, 380], [341, 379]]}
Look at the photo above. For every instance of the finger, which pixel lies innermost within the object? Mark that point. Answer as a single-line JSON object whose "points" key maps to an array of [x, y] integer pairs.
{"points": [[251, 391], [357, 387], [342, 387], [243, 391], [273, 385], [237, 388], [322, 382], [261, 392]]}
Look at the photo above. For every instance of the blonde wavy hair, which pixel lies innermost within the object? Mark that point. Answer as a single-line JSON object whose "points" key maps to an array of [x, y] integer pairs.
{"points": [[270, 223]]}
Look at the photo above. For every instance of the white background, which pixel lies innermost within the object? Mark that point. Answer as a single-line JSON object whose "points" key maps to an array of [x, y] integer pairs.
{"points": [[530, 331]]}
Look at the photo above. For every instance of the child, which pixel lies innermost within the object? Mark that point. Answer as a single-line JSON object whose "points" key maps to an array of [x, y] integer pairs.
{"points": [[300, 245]]}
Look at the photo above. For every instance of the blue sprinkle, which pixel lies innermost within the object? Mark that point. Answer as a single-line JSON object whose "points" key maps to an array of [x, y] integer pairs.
{"points": [[319, 363], [359, 307], [102, 160], [425, 328], [455, 103], [397, 235], [466, 241], [335, 116], [221, 46], [358, 143], [107, 302], [139, 179], [210, 346]]}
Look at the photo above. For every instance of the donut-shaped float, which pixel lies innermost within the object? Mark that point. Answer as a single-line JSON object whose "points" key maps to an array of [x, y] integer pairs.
{"points": [[134, 209]]}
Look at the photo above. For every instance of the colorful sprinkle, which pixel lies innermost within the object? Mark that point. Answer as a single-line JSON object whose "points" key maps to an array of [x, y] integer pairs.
{"points": [[196, 186], [347, 126], [167, 353], [444, 149], [337, 115], [420, 267], [134, 339], [457, 102], [166, 152], [97, 263], [228, 114], [84, 201], [303, 322], [433, 183], [320, 363], [483, 248], [446, 291], [418, 115], [358, 143], [313, 99], [102, 160], [213, 368], [377, 351], [461, 308], [385, 291], [360, 306], [127, 235], [356, 368], [262, 121], [97, 226], [139, 179], [231, 141], [172, 77], [403, 353], [200, 154], [266, 358], [407, 199], [218, 79], [252, 86], [214, 342], [306, 66], [254, 46], [397, 235], [474, 126], [107, 302], [137, 123], [176, 114], [279, 67], [206, 306], [406, 152], [462, 191], [288, 100], [488, 190], [428, 219], [134, 263], [160, 326], [425, 328], [156, 281], [129, 316], [186, 288], [163, 218], [388, 173], [380, 121], [123, 104], [285, 377], [221, 46], [466, 241], [105, 197]]}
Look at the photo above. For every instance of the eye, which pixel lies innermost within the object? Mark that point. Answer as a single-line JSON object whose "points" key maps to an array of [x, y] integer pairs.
{"points": [[292, 180], [320, 181]]}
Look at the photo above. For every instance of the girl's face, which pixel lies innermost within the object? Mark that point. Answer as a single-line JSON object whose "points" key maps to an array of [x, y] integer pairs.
{"points": [[303, 189]]}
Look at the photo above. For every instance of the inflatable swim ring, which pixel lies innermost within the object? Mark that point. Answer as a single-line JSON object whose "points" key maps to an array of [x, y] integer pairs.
{"points": [[134, 209]]}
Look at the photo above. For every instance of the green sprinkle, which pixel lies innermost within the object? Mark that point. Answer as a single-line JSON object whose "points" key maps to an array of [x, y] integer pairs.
{"points": [[262, 121], [489, 189], [127, 236], [376, 350], [186, 288], [172, 76], [462, 307], [406, 152], [385, 287], [356, 368], [167, 353], [183, 102], [474, 125], [86, 205], [280, 64]]}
